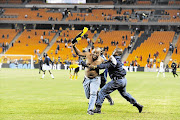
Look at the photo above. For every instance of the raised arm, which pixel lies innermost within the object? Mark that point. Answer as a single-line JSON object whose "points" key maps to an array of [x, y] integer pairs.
{"points": [[78, 52]]}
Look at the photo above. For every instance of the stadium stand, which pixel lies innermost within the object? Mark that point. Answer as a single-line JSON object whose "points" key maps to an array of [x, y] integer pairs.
{"points": [[36, 2], [15, 1], [30, 40], [144, 2], [156, 43], [176, 56], [8, 34], [30, 15], [113, 36]]}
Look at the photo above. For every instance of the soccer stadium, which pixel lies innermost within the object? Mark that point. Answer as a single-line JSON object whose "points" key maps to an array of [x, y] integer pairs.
{"points": [[89, 59]]}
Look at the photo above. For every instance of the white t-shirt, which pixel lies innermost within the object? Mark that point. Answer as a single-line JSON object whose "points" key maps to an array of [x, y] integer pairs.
{"points": [[161, 68]]}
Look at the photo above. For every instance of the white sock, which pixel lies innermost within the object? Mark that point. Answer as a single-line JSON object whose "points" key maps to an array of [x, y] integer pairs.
{"points": [[52, 76], [158, 74], [164, 74], [43, 75]]}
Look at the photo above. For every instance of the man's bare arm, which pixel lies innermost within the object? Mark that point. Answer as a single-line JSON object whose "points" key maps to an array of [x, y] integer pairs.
{"points": [[78, 52]]}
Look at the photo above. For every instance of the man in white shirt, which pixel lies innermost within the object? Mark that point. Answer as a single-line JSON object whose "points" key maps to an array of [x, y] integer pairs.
{"points": [[161, 69]]}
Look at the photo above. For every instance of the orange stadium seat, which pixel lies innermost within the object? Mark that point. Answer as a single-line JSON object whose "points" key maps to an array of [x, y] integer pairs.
{"points": [[14, 1], [144, 2], [107, 37], [151, 46], [36, 2], [28, 45], [31, 15], [7, 32], [171, 14], [96, 15]]}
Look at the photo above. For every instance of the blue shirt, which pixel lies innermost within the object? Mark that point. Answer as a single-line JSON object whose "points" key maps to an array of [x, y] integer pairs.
{"points": [[114, 70], [47, 60]]}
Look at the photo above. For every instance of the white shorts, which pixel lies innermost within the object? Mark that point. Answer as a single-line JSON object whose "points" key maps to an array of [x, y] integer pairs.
{"points": [[161, 70], [46, 67]]}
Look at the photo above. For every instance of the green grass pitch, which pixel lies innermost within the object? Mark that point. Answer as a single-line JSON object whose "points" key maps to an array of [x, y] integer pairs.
{"points": [[24, 96]]}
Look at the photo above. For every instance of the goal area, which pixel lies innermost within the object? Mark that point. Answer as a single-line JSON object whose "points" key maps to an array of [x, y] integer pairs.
{"points": [[16, 61]]}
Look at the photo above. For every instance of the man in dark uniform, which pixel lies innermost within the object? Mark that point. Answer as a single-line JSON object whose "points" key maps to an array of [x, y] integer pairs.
{"points": [[118, 81], [104, 79], [40, 65], [174, 67], [46, 66]]}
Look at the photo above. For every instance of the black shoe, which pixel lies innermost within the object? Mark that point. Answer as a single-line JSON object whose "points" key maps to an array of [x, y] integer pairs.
{"points": [[97, 111], [112, 103], [139, 107], [90, 112]]}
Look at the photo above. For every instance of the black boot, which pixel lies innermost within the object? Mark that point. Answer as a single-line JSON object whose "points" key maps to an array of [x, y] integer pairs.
{"points": [[139, 107], [98, 109], [110, 100]]}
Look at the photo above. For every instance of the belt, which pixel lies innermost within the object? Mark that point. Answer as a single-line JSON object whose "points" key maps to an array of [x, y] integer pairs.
{"points": [[117, 77]]}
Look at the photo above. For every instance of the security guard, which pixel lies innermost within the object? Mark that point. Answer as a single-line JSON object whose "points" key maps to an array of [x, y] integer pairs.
{"points": [[118, 81]]}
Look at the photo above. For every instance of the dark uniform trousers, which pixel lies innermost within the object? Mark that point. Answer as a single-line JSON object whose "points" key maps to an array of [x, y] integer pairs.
{"points": [[115, 84]]}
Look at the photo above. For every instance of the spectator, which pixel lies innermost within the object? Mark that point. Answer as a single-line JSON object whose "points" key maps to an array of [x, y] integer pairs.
{"points": [[44, 33], [136, 58], [7, 36], [37, 51], [158, 60], [149, 55], [101, 41], [123, 37], [140, 58], [41, 37], [3, 36], [52, 52], [56, 52], [157, 54], [148, 60], [57, 47], [129, 47], [117, 43], [154, 61], [164, 50], [126, 37], [177, 14], [66, 45], [111, 42], [176, 50]]}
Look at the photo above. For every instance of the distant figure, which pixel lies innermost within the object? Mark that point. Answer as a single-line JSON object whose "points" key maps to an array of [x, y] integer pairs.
{"points": [[161, 69], [46, 66], [174, 67]]}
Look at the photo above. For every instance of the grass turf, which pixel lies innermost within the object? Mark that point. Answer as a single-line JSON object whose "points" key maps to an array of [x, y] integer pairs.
{"points": [[24, 96]]}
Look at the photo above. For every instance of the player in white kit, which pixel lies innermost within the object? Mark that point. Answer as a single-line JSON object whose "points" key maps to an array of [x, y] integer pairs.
{"points": [[161, 69]]}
